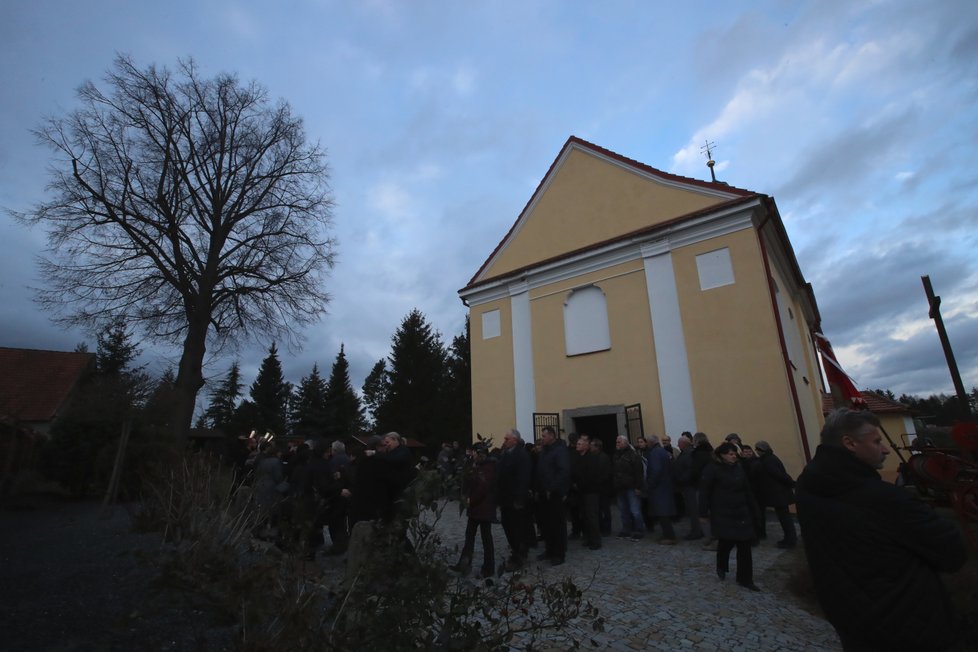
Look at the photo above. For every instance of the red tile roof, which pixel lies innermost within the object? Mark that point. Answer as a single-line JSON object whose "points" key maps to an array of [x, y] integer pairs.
{"points": [[877, 403], [34, 385], [574, 140]]}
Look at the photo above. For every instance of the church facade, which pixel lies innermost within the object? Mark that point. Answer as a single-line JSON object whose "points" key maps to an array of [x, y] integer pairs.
{"points": [[627, 300]]}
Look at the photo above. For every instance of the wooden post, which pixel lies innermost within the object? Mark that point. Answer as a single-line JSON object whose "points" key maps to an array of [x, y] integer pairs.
{"points": [[120, 455]]}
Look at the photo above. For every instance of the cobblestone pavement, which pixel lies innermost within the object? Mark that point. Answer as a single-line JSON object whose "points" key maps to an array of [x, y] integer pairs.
{"points": [[657, 597]]}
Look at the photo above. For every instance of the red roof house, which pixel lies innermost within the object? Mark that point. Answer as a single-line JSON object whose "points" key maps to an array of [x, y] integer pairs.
{"points": [[36, 386]]}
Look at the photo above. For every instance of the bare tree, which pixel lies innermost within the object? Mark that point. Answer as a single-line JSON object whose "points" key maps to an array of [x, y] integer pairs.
{"points": [[192, 208]]}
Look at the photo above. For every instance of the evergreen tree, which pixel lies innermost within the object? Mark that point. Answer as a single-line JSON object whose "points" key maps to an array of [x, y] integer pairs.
{"points": [[458, 389], [116, 351], [224, 401], [414, 401], [343, 409], [375, 388], [309, 416], [270, 395]]}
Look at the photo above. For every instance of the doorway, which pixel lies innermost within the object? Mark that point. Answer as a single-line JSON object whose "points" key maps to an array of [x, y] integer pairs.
{"points": [[600, 426]]}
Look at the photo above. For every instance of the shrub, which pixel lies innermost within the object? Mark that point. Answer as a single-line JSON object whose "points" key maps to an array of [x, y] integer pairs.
{"points": [[398, 595]]}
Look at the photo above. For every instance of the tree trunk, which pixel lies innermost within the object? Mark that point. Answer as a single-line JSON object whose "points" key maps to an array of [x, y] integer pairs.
{"points": [[190, 378]]}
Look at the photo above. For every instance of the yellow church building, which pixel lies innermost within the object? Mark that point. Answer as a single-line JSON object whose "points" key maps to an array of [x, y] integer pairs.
{"points": [[627, 300]]}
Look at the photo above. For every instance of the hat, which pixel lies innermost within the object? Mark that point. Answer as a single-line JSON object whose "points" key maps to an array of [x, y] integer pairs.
{"points": [[763, 446]]}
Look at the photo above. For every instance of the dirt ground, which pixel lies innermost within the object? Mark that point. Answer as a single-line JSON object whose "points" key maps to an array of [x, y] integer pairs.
{"points": [[72, 580]]}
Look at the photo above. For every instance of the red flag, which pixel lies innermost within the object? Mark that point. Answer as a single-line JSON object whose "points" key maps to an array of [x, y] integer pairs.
{"points": [[844, 392]]}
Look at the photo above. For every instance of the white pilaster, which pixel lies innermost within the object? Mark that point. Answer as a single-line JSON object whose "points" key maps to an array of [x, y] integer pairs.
{"points": [[670, 342], [526, 399]]}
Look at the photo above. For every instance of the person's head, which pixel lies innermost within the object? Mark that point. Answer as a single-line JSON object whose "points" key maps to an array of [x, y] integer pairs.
{"points": [[762, 447], [583, 444], [700, 438], [338, 447], [654, 441], [597, 446], [641, 443], [857, 431], [621, 442], [548, 435], [747, 452], [727, 453], [512, 439], [391, 441], [733, 438], [685, 441], [666, 441]]}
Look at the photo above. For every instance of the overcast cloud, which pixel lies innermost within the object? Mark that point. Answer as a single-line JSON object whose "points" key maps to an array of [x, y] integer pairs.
{"points": [[440, 118]]}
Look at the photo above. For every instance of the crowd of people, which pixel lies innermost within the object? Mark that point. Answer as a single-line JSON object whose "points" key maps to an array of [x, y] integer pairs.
{"points": [[874, 549], [551, 491], [314, 485]]}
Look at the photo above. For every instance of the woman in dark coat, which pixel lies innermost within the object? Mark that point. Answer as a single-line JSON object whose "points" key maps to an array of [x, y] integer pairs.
{"points": [[725, 496], [479, 490]]}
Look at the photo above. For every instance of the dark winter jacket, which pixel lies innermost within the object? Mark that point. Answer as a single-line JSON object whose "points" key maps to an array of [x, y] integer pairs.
{"points": [[682, 468], [589, 472], [398, 472], [627, 470], [369, 499], [875, 551], [513, 473], [659, 482], [773, 482], [725, 497], [702, 458], [553, 469], [479, 487]]}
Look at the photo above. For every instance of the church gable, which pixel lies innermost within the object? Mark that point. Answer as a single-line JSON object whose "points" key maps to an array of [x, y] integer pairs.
{"points": [[592, 195]]}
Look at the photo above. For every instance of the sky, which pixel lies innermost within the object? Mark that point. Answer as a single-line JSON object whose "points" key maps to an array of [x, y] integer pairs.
{"points": [[440, 118]]}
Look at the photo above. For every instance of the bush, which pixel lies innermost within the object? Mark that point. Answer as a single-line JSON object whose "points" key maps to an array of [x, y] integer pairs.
{"points": [[398, 595]]}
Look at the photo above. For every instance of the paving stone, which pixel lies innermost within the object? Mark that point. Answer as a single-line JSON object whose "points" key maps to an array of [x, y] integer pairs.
{"points": [[668, 598]]}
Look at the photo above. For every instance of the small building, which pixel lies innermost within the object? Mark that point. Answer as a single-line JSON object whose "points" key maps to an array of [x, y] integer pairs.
{"points": [[627, 300], [36, 387]]}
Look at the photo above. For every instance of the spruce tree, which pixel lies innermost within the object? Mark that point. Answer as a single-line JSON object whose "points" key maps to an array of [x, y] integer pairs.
{"points": [[224, 401], [414, 401], [458, 388], [374, 390], [309, 417], [270, 396], [343, 408]]}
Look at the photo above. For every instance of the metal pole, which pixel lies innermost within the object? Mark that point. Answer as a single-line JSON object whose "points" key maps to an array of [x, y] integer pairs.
{"points": [[934, 303]]}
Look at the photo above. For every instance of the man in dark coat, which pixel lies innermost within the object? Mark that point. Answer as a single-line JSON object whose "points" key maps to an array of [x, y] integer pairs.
{"points": [[875, 550], [775, 489], [687, 483], [368, 493], [588, 479], [628, 476], [513, 474], [398, 472], [552, 483], [659, 489], [337, 506]]}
